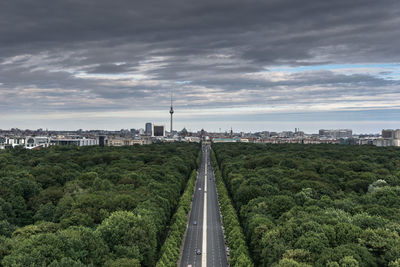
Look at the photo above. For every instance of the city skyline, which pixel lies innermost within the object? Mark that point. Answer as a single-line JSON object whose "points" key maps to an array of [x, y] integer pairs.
{"points": [[253, 66], [253, 123], [222, 130]]}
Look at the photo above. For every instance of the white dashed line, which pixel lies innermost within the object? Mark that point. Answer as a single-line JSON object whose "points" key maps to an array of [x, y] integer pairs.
{"points": [[204, 248]]}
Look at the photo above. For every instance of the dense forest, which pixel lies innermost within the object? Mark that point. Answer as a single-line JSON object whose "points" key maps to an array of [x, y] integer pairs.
{"points": [[90, 206], [239, 252], [315, 205]]}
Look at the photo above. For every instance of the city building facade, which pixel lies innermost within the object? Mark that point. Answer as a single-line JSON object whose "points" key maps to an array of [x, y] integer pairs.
{"points": [[158, 130]]}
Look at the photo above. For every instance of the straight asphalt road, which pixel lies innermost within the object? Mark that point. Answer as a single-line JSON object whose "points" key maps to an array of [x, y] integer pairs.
{"points": [[206, 234]]}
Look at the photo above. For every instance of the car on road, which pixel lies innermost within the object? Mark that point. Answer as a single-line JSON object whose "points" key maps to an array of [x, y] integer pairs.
{"points": [[198, 252], [199, 188], [195, 223]]}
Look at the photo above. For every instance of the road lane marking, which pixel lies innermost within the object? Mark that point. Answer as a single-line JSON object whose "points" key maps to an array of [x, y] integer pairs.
{"points": [[204, 248], [198, 231], [190, 227], [212, 225]]}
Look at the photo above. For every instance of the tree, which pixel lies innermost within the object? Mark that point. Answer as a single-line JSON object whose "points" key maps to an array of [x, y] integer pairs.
{"points": [[349, 261], [46, 212], [123, 228], [6, 228], [123, 262], [317, 204]]}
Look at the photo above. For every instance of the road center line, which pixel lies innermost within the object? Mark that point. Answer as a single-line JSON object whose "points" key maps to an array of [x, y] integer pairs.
{"points": [[204, 248]]}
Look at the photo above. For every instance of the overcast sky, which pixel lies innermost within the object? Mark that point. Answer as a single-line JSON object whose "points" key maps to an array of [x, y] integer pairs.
{"points": [[250, 65]]}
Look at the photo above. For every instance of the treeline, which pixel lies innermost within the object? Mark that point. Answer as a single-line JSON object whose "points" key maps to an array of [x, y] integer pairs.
{"points": [[239, 255], [170, 251], [90, 206], [315, 205]]}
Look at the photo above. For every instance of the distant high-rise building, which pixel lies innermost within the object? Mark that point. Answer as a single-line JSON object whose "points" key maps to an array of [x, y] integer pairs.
{"points": [[265, 134], [387, 133], [344, 133], [102, 140], [389, 138], [396, 134], [149, 128], [339, 133], [158, 130]]}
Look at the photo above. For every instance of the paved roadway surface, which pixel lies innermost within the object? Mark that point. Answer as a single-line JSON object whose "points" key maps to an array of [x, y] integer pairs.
{"points": [[213, 249]]}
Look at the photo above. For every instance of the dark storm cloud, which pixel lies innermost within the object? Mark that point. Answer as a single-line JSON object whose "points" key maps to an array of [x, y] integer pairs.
{"points": [[254, 29], [98, 54]]}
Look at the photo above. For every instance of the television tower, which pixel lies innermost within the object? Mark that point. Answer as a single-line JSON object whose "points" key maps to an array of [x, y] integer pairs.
{"points": [[171, 111]]}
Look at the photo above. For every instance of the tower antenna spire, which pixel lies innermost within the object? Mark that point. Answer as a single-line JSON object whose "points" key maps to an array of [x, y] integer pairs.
{"points": [[171, 111]]}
